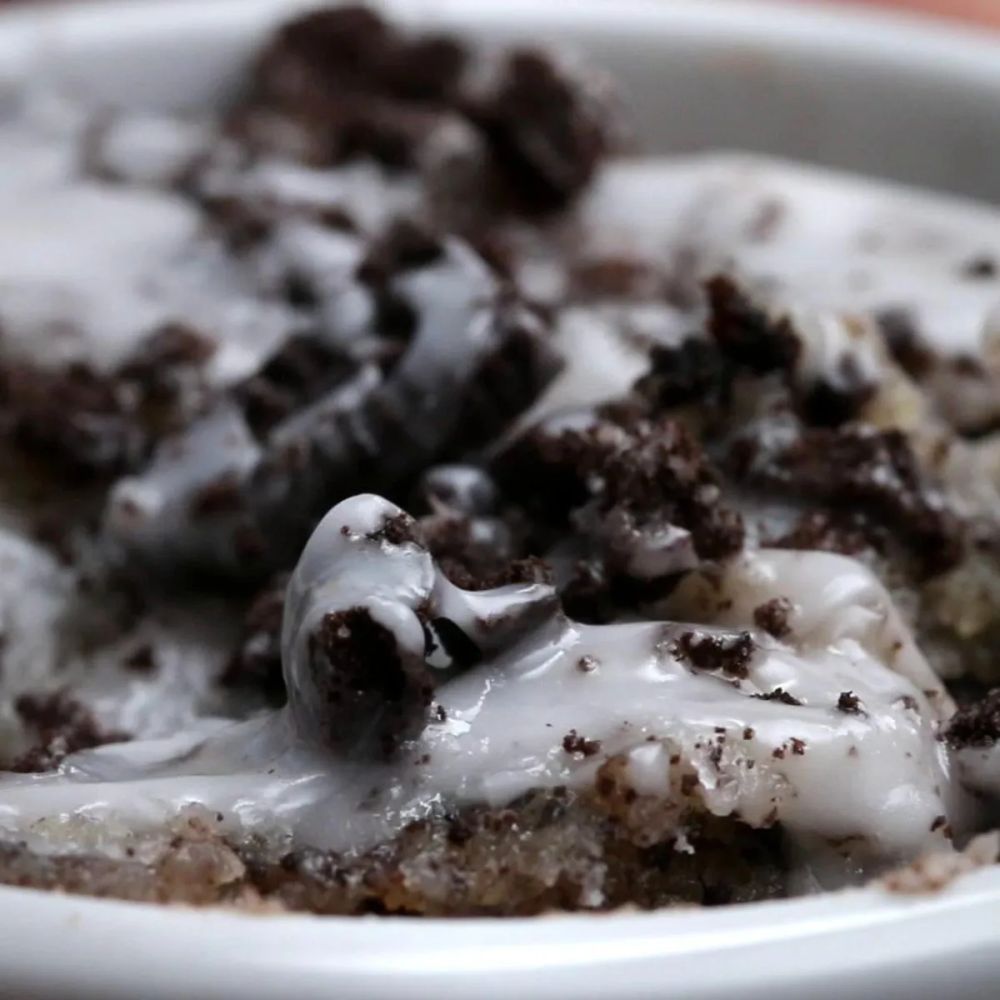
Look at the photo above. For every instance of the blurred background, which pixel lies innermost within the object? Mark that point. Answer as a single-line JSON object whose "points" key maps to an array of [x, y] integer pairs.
{"points": [[982, 12]]}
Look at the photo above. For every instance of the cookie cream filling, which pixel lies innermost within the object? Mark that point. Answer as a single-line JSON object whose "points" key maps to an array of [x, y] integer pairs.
{"points": [[830, 731]]}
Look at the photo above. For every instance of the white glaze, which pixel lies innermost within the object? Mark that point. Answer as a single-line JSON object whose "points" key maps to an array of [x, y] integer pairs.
{"points": [[880, 776]]}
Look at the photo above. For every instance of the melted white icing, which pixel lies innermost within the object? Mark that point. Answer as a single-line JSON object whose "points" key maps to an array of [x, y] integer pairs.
{"points": [[835, 242], [879, 775]]}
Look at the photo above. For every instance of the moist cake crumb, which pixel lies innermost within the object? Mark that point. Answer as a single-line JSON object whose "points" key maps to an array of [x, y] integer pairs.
{"points": [[711, 652], [772, 616]]}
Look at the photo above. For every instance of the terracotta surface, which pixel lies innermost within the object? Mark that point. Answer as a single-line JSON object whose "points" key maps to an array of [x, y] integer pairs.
{"points": [[986, 12]]}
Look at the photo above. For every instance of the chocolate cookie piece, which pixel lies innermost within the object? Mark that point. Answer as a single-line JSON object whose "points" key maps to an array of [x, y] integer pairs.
{"points": [[371, 627], [863, 471], [62, 725], [547, 132], [975, 725], [642, 486]]}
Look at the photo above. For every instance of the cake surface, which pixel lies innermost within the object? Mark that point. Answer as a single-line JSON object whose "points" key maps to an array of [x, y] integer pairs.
{"points": [[414, 504]]}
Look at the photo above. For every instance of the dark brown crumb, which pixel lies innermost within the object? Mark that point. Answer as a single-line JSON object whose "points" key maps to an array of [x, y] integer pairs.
{"points": [[547, 137], [798, 746], [976, 725], [577, 745], [367, 687], [221, 496], [863, 471], [299, 373], [849, 703], [587, 664], [142, 660], [642, 472], [772, 616], [62, 725], [729, 654], [779, 694], [981, 267], [478, 553], [694, 371], [396, 530], [405, 245], [830, 531], [257, 660], [905, 344], [745, 333], [829, 402]]}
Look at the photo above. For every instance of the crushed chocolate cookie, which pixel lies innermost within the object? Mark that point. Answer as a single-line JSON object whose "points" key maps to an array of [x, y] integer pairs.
{"points": [[641, 475], [772, 616], [547, 135], [257, 660], [975, 725], [577, 746], [396, 530], [864, 471], [849, 703], [77, 419], [404, 246], [299, 373], [706, 651], [62, 725], [778, 694], [693, 371], [368, 687], [141, 660], [745, 333], [830, 402], [830, 531], [221, 496]]}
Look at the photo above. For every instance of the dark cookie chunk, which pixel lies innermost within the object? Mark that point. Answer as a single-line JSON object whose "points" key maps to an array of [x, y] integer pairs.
{"points": [[651, 471], [860, 470], [694, 371], [577, 746], [772, 616], [397, 530], [508, 380], [729, 654], [300, 372], [745, 333], [546, 132], [779, 694], [830, 402], [849, 703], [62, 726], [79, 421], [831, 531], [257, 661], [975, 725], [74, 419], [402, 247], [370, 690], [355, 87]]}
